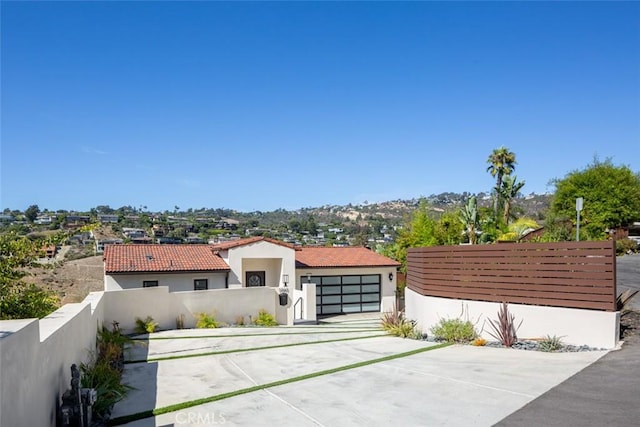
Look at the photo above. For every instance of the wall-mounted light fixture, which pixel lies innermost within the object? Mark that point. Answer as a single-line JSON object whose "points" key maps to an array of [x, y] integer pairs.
{"points": [[390, 277], [308, 277], [285, 279]]}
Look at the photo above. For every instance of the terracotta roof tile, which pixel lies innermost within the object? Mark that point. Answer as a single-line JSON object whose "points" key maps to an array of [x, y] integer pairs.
{"points": [[159, 258], [352, 256]]}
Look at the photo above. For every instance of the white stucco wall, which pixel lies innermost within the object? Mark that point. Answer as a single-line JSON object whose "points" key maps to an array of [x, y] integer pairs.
{"points": [[36, 357], [304, 302], [227, 305], [271, 266], [274, 259], [164, 306], [176, 282], [388, 287], [575, 326]]}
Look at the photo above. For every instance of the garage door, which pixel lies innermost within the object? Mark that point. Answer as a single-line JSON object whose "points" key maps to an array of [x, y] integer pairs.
{"points": [[346, 294]]}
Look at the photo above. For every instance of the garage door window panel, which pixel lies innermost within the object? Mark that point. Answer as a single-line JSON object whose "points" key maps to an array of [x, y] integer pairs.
{"points": [[331, 290], [371, 306], [351, 308], [370, 288], [332, 299], [351, 298], [351, 289]]}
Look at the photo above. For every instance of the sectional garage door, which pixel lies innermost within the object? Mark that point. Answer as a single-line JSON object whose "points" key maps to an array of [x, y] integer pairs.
{"points": [[346, 294]]}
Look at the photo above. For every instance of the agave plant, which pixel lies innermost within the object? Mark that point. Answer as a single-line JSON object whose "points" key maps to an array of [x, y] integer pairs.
{"points": [[505, 329], [551, 343]]}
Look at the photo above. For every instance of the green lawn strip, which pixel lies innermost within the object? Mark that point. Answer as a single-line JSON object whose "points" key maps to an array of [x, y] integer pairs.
{"points": [[194, 337], [327, 326], [316, 326], [178, 406], [240, 350]]}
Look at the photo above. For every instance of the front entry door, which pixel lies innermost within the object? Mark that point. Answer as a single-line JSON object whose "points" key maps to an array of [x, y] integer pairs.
{"points": [[254, 278]]}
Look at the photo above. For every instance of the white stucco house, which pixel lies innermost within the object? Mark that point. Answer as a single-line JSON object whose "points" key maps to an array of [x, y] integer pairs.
{"points": [[347, 279]]}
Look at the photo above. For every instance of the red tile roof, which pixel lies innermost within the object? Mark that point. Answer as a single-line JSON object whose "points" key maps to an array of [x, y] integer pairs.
{"points": [[161, 258], [242, 242], [176, 258], [352, 256]]}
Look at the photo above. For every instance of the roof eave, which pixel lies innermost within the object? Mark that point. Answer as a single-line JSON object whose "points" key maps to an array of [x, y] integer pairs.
{"points": [[209, 270]]}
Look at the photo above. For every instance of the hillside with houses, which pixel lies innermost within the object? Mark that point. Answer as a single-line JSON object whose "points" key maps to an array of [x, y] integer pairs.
{"points": [[365, 224]]}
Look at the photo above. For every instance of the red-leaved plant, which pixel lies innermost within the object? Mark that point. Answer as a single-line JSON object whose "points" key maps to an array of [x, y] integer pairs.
{"points": [[505, 329]]}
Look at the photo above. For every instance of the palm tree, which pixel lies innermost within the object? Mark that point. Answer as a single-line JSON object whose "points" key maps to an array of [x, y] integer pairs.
{"points": [[501, 163], [509, 191], [469, 218]]}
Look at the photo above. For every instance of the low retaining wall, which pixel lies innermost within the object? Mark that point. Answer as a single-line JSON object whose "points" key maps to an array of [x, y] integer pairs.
{"points": [[575, 326], [36, 355], [164, 306], [35, 360]]}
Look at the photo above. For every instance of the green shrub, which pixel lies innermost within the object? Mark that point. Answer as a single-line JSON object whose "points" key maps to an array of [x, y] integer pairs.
{"points": [[110, 344], [23, 301], [265, 319], [100, 375], [405, 329], [103, 370], [206, 321], [146, 326], [626, 246], [395, 324], [454, 330], [551, 343]]}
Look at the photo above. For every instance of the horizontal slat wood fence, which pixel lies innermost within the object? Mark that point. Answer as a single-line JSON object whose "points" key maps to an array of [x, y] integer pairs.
{"points": [[566, 274]]}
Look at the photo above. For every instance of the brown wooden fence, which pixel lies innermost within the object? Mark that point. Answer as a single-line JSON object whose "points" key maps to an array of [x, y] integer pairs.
{"points": [[567, 274]]}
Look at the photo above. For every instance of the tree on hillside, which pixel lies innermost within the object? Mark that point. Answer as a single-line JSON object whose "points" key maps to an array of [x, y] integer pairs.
{"points": [[501, 163], [31, 213], [18, 299], [611, 197], [449, 230], [519, 228], [419, 232], [508, 192]]}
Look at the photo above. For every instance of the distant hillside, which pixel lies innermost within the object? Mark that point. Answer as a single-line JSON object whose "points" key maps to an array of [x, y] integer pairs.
{"points": [[532, 205], [359, 224]]}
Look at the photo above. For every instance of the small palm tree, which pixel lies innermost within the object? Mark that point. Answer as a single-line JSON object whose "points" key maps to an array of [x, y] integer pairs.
{"points": [[509, 191], [501, 163]]}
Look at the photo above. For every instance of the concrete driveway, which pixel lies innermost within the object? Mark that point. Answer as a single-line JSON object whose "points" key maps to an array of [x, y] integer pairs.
{"points": [[408, 383]]}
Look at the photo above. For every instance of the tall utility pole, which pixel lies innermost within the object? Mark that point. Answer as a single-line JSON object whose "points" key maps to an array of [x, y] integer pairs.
{"points": [[579, 202]]}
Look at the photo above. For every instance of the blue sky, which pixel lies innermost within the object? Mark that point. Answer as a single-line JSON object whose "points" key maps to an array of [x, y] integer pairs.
{"points": [[259, 106]]}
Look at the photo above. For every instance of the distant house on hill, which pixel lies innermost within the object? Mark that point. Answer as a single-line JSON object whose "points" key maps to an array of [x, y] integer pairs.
{"points": [[7, 218], [108, 219], [102, 243], [44, 219], [77, 220]]}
